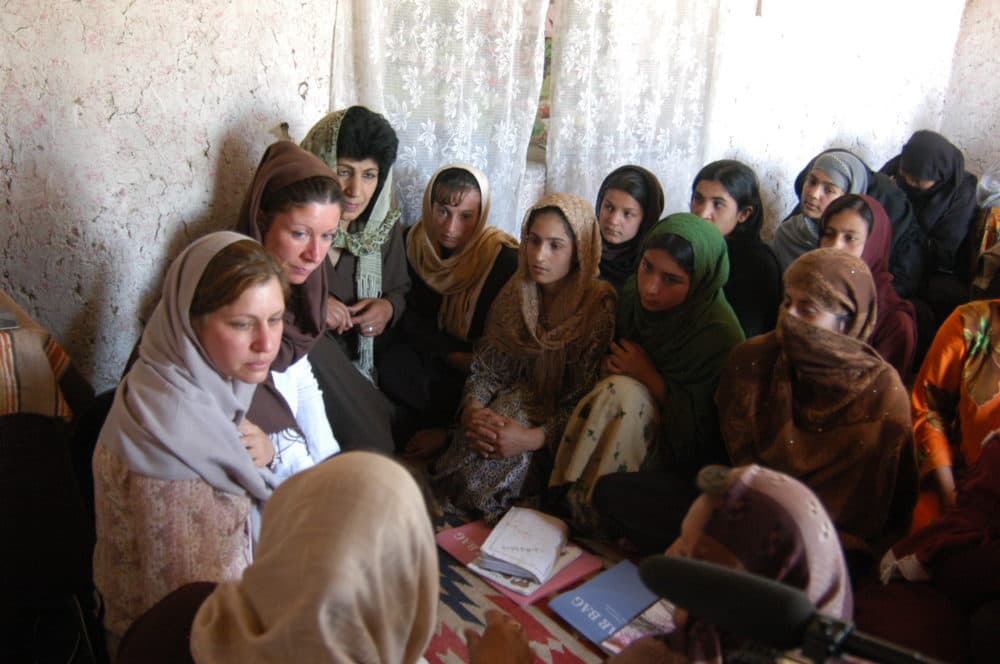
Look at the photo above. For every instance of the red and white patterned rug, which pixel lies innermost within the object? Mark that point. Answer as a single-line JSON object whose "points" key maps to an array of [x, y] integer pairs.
{"points": [[465, 599]]}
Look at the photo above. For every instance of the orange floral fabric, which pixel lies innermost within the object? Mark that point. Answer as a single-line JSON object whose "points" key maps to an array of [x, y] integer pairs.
{"points": [[956, 397]]}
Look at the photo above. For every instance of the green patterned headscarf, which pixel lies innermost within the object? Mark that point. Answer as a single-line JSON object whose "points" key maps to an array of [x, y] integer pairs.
{"points": [[365, 243], [688, 344]]}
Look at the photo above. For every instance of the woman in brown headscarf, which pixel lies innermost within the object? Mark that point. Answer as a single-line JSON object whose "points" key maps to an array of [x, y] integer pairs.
{"points": [[812, 399], [545, 336], [293, 208]]}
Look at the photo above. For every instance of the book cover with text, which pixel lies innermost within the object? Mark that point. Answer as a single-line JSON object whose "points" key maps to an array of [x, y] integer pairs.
{"points": [[602, 606]]}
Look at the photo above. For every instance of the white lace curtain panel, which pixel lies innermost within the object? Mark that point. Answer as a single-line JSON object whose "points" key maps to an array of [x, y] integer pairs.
{"points": [[668, 84], [630, 85], [459, 81]]}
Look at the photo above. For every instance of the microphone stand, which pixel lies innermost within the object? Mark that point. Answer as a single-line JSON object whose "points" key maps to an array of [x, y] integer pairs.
{"points": [[826, 637]]}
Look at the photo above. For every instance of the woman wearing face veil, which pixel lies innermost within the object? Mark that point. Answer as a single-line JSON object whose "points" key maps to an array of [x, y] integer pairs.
{"points": [[932, 173], [812, 399]]}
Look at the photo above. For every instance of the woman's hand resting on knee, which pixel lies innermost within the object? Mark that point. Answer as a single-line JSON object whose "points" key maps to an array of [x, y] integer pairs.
{"points": [[496, 436]]}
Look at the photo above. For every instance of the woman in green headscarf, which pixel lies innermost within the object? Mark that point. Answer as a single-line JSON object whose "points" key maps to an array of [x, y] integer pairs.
{"points": [[366, 274], [655, 408]]}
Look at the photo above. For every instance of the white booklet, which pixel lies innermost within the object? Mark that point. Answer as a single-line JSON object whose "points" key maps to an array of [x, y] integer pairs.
{"points": [[525, 543], [523, 585]]}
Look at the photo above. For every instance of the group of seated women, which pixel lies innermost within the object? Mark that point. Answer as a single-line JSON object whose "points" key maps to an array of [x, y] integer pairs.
{"points": [[590, 367]]}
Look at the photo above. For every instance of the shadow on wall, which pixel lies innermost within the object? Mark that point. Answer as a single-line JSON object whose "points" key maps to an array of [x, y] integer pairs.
{"points": [[234, 166]]}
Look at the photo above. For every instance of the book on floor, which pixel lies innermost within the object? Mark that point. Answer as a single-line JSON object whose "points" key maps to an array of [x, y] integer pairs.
{"points": [[464, 543], [525, 543], [602, 606]]}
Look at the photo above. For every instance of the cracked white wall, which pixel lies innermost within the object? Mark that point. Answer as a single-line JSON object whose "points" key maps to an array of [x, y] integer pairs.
{"points": [[129, 128]]}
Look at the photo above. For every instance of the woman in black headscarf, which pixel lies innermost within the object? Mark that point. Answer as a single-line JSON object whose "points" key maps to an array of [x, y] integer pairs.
{"points": [[629, 202], [932, 173]]}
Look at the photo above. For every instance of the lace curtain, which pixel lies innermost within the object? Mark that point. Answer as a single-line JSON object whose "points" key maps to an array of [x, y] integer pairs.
{"points": [[630, 84], [459, 81]]}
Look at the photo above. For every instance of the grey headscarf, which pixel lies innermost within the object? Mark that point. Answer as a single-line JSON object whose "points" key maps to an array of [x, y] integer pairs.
{"points": [[799, 234], [846, 170], [175, 416], [988, 190]]}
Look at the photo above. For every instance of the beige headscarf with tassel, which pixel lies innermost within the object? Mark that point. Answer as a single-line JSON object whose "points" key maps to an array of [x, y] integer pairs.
{"points": [[459, 278], [518, 325]]}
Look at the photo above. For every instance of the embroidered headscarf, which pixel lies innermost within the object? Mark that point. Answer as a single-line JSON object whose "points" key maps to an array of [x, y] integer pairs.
{"points": [[688, 344], [516, 322], [618, 260], [459, 278], [378, 221], [823, 406], [346, 571], [776, 528], [284, 163], [174, 415]]}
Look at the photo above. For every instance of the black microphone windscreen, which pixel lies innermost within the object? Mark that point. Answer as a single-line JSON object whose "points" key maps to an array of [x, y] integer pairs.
{"points": [[753, 606]]}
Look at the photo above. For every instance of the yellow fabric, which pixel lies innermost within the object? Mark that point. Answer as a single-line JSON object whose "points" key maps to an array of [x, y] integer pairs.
{"points": [[459, 278]]}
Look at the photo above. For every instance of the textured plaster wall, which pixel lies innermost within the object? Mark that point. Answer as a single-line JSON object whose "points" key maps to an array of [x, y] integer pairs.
{"points": [[129, 128], [972, 105]]}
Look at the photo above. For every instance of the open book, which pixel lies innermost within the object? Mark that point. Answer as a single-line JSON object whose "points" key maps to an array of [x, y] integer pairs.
{"points": [[525, 543]]}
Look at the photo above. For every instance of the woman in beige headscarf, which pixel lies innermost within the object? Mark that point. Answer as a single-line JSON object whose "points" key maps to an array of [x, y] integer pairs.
{"points": [[458, 264], [545, 336], [346, 571]]}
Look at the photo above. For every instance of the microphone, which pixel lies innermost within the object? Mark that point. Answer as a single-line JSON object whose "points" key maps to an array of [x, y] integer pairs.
{"points": [[762, 609]]}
